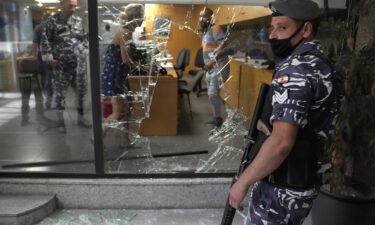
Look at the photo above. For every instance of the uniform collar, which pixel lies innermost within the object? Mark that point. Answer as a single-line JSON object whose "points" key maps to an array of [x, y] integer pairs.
{"points": [[71, 18], [307, 47]]}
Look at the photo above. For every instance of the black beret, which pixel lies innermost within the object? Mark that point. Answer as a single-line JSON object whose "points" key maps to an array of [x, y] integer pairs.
{"points": [[295, 9]]}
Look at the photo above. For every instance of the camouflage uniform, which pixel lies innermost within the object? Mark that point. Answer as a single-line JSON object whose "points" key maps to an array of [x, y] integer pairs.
{"points": [[306, 92], [65, 41]]}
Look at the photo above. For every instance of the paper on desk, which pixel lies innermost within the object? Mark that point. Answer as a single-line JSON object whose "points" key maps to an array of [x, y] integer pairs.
{"points": [[167, 65]]}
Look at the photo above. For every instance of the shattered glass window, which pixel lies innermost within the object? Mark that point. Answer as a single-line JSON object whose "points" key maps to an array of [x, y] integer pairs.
{"points": [[176, 94], [45, 100], [179, 84], [163, 112]]}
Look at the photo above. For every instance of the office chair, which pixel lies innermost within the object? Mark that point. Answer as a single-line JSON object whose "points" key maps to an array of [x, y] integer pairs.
{"points": [[183, 88], [182, 62], [199, 63]]}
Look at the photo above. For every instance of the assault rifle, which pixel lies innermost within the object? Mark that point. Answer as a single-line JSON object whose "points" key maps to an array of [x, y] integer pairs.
{"points": [[247, 155]]}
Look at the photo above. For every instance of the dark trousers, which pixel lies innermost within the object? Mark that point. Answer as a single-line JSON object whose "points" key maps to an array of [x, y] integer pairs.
{"points": [[270, 205], [46, 80], [29, 84], [65, 75]]}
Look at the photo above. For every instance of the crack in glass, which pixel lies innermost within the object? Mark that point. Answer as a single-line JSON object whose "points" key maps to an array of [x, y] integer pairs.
{"points": [[229, 138]]}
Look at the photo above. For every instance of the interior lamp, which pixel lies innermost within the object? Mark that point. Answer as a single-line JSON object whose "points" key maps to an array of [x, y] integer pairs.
{"points": [[47, 1]]}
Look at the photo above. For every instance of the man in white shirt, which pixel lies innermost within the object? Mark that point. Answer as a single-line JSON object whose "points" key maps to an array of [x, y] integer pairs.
{"points": [[107, 35]]}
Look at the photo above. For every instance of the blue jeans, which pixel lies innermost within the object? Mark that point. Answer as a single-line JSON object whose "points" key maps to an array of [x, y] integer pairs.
{"points": [[215, 79]]}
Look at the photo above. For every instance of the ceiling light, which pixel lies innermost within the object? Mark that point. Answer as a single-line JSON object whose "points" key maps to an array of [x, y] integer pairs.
{"points": [[48, 1]]}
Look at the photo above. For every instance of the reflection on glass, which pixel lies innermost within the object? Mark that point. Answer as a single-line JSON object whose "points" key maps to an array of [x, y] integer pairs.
{"points": [[44, 102], [155, 103], [157, 129]]}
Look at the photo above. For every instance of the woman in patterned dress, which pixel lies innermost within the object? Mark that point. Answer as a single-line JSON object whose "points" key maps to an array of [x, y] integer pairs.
{"points": [[117, 67]]}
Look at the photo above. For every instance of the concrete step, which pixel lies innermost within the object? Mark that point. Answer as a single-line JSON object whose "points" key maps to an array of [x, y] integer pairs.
{"points": [[125, 193], [23, 209]]}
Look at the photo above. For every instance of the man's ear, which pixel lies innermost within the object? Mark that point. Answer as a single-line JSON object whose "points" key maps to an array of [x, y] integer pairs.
{"points": [[307, 30]]}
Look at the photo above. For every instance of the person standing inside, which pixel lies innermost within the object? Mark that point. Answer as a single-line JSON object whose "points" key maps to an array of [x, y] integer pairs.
{"points": [[62, 37], [118, 65], [107, 34], [46, 76], [304, 99], [215, 60], [29, 80]]}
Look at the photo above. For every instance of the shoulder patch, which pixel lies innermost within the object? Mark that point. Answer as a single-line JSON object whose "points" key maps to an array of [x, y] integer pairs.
{"points": [[282, 79], [280, 96]]}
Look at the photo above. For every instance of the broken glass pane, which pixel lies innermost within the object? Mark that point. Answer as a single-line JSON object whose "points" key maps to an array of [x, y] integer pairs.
{"points": [[157, 43]]}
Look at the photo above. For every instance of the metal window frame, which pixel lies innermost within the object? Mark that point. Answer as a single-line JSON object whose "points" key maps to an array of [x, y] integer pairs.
{"points": [[96, 102]]}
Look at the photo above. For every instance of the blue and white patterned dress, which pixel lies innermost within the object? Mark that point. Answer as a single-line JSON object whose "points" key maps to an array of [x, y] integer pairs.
{"points": [[115, 73]]}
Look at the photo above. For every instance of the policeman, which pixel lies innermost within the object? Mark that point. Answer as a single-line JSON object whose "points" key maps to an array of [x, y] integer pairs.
{"points": [[304, 99], [62, 46]]}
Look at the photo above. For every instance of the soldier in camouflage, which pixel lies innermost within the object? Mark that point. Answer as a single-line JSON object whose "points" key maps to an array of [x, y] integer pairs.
{"points": [[304, 97], [64, 46]]}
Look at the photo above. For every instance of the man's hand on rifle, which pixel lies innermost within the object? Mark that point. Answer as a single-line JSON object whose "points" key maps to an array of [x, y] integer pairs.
{"points": [[239, 189], [261, 126]]}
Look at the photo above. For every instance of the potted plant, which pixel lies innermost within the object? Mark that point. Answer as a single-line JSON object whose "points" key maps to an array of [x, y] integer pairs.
{"points": [[349, 196]]}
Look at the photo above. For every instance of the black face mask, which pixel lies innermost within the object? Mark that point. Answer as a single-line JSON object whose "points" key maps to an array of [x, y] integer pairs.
{"points": [[282, 47], [204, 25]]}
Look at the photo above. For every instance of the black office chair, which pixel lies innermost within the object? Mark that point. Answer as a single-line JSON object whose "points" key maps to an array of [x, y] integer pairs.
{"points": [[183, 60], [183, 88], [199, 63]]}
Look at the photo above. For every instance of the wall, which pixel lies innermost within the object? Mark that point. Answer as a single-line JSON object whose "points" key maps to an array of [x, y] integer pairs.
{"points": [[25, 22], [189, 15], [224, 14], [179, 38]]}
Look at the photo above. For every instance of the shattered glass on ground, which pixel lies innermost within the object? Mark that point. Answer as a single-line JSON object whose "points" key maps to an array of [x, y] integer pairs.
{"points": [[89, 217]]}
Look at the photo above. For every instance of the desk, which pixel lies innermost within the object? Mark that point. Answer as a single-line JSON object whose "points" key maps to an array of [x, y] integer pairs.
{"points": [[241, 90], [163, 111]]}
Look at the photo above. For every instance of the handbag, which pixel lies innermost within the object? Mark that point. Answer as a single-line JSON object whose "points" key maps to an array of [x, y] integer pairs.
{"points": [[28, 65]]}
